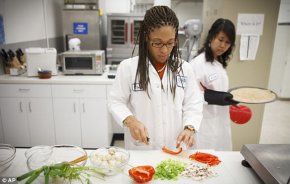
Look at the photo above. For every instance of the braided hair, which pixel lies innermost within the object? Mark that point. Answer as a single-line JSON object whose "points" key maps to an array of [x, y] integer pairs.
{"points": [[156, 17], [228, 28]]}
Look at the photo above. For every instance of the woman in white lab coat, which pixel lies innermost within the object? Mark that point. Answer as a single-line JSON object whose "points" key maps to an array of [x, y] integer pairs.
{"points": [[155, 95], [210, 70]]}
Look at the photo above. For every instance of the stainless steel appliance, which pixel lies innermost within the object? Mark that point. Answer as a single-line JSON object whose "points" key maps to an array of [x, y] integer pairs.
{"points": [[122, 34], [90, 62], [271, 162], [81, 20]]}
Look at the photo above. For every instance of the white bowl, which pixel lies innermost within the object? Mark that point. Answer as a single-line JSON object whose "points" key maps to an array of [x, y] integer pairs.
{"points": [[110, 160]]}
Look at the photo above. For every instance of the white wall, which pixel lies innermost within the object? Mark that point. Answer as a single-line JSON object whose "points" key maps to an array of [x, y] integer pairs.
{"points": [[117, 6], [187, 10], [24, 20]]}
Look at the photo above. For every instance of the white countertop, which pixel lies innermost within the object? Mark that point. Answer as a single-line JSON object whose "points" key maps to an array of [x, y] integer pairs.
{"points": [[230, 170], [58, 79]]}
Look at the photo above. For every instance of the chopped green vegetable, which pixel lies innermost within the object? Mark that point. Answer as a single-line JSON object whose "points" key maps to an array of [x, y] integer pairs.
{"points": [[169, 169], [65, 171]]}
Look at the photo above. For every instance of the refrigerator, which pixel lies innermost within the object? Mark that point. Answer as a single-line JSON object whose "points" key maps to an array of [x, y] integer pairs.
{"points": [[82, 20]]}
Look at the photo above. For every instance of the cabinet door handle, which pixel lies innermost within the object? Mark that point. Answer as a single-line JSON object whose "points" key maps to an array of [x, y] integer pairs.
{"points": [[23, 90], [20, 106], [78, 90], [84, 108], [74, 107], [29, 106]]}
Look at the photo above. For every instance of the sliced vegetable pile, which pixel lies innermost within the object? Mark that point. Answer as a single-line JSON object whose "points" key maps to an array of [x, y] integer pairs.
{"points": [[142, 174], [169, 169], [63, 170], [198, 172], [205, 158]]}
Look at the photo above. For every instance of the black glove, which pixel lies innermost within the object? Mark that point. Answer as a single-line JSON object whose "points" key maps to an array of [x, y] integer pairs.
{"points": [[219, 98]]}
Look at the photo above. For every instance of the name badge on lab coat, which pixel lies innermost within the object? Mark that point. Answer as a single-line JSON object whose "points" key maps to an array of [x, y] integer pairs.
{"points": [[212, 77], [181, 81]]}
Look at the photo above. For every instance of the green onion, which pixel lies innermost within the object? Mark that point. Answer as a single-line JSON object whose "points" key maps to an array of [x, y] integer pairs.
{"points": [[65, 171]]}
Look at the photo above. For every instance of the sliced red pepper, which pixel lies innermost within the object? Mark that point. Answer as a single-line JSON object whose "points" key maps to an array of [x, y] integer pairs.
{"points": [[205, 158], [166, 150], [142, 174]]}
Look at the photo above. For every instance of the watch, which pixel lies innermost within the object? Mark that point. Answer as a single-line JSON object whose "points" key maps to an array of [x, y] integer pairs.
{"points": [[190, 127]]}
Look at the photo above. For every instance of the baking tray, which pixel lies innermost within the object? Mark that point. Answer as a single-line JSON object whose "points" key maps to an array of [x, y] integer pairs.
{"points": [[252, 102]]}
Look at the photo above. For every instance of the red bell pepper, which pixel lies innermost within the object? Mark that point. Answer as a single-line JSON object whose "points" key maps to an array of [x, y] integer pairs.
{"points": [[205, 158], [142, 174], [166, 150]]}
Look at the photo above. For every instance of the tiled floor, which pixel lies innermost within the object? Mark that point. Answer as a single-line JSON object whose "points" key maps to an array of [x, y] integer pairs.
{"points": [[276, 124]]}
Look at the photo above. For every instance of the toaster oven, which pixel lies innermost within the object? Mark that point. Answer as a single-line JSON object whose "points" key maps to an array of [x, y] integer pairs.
{"points": [[89, 62]]}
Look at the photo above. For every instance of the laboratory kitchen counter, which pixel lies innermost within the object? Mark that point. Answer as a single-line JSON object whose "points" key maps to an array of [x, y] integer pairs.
{"points": [[57, 79], [229, 171]]}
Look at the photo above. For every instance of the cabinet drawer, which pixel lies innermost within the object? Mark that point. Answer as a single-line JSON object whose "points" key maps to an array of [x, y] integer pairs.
{"points": [[69, 91], [25, 90]]}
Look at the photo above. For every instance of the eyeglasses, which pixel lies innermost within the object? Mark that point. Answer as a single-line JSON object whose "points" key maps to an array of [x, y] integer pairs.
{"points": [[160, 44]]}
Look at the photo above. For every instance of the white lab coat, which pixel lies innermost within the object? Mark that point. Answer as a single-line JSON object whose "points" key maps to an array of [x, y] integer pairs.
{"points": [[163, 116], [215, 129]]}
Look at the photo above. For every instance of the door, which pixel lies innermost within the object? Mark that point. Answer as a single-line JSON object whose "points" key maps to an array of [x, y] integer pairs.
{"points": [[14, 120], [41, 124], [67, 121], [94, 119]]}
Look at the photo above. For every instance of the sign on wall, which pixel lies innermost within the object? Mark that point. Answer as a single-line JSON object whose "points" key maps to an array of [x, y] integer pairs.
{"points": [[80, 28], [250, 27]]}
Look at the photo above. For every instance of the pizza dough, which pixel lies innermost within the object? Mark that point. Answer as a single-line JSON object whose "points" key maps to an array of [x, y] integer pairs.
{"points": [[253, 95]]}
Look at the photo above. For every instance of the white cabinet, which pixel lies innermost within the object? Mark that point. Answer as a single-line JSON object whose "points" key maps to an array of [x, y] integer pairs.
{"points": [[81, 116], [26, 114], [67, 121]]}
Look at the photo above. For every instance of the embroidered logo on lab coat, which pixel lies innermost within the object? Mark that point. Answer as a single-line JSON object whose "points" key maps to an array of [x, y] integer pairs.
{"points": [[212, 77], [136, 87], [181, 81]]}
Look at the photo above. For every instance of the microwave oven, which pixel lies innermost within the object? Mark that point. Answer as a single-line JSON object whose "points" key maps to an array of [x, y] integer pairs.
{"points": [[89, 62]]}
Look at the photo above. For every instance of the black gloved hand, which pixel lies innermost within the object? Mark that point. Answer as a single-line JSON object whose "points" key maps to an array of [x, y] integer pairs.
{"points": [[219, 97]]}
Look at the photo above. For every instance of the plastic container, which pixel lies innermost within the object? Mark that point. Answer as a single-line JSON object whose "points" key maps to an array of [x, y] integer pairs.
{"points": [[7, 154]]}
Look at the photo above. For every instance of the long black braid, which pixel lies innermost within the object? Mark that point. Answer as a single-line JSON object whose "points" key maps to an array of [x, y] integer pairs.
{"points": [[156, 17], [228, 28]]}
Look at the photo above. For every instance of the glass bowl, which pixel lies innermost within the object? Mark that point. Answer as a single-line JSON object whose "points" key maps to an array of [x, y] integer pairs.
{"points": [[110, 160], [7, 154], [39, 156]]}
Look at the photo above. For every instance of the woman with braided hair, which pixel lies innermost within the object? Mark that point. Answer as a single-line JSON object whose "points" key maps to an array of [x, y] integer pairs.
{"points": [[155, 95]]}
